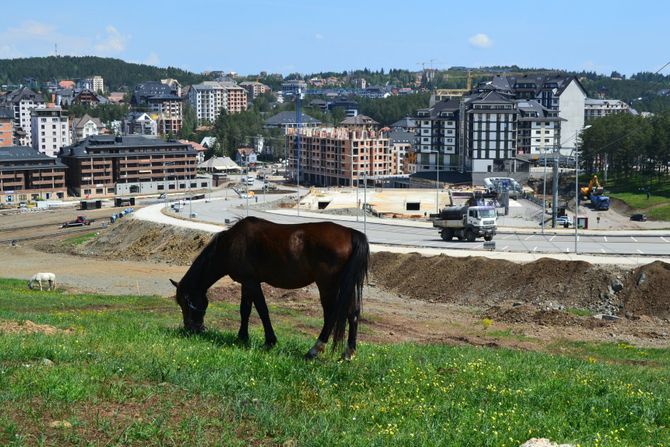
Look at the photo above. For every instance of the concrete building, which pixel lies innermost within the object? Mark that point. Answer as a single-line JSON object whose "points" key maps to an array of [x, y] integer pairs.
{"points": [[339, 156], [598, 108], [254, 88], [402, 143], [210, 97], [27, 174], [538, 129], [359, 122], [6, 127], [85, 127], [161, 100], [107, 165], [22, 102], [491, 131], [438, 130], [98, 84], [140, 123], [50, 129]]}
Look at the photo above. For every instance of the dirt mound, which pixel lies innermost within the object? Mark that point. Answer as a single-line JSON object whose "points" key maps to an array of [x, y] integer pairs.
{"points": [[528, 313], [484, 282], [27, 327], [143, 241], [647, 290]]}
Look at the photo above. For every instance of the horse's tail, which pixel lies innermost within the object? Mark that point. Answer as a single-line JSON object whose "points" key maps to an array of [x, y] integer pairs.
{"points": [[350, 293]]}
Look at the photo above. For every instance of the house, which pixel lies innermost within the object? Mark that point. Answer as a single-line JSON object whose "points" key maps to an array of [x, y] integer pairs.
{"points": [[598, 108], [199, 148], [208, 142], [117, 97], [88, 97], [407, 124], [219, 165], [246, 156], [85, 127], [359, 122]]}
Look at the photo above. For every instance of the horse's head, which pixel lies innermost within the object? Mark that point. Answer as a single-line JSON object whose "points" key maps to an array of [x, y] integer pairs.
{"points": [[193, 305]]}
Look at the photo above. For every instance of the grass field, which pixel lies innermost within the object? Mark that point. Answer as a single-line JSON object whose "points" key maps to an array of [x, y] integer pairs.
{"points": [[629, 191], [122, 373]]}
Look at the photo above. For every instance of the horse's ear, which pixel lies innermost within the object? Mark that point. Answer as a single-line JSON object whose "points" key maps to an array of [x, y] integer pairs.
{"points": [[174, 283]]}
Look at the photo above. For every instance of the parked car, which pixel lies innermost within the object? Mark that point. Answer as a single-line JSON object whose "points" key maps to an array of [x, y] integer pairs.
{"points": [[565, 221], [639, 217]]}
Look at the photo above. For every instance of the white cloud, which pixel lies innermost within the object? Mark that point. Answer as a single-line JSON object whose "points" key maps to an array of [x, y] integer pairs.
{"points": [[31, 28], [113, 42], [480, 40], [152, 59], [318, 36]]}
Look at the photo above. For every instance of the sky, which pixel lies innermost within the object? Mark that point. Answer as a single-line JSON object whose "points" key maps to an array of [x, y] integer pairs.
{"points": [[286, 36]]}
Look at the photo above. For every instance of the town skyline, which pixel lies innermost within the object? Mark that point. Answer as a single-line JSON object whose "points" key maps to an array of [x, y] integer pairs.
{"points": [[594, 36]]}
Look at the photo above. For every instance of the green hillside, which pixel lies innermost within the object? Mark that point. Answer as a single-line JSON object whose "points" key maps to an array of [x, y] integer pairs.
{"points": [[115, 72]]}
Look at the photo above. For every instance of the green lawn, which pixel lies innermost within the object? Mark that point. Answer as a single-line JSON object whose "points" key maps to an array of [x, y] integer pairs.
{"points": [[124, 374], [631, 192]]}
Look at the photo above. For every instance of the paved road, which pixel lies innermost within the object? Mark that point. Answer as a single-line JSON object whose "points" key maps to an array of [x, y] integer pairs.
{"points": [[421, 234]]}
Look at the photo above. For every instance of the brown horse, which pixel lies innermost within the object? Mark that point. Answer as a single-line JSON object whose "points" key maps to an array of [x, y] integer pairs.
{"points": [[256, 251]]}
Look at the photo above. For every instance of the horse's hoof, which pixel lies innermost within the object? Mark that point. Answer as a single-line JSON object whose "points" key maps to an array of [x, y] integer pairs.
{"points": [[311, 355], [348, 354], [269, 344]]}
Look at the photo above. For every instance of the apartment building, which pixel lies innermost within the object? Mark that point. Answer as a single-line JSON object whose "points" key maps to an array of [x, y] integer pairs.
{"points": [[50, 129], [98, 84], [105, 165], [6, 127], [210, 97], [402, 143], [438, 130], [491, 134], [254, 88], [338, 156], [22, 101], [538, 128], [598, 108], [160, 99], [27, 174]]}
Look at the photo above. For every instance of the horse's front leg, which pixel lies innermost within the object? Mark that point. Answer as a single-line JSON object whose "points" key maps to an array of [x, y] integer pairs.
{"points": [[256, 293]]}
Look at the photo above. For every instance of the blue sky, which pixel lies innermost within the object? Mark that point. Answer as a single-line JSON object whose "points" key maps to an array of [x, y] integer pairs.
{"points": [[285, 36]]}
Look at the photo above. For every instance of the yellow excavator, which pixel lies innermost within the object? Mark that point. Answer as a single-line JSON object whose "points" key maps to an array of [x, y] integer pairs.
{"points": [[594, 188]]}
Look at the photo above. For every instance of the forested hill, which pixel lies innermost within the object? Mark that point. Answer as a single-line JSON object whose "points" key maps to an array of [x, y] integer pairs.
{"points": [[115, 72]]}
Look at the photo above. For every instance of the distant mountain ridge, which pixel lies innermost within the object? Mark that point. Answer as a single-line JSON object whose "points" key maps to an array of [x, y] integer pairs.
{"points": [[116, 72]]}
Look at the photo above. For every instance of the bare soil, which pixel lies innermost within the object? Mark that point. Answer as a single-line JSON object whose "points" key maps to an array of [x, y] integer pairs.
{"points": [[409, 297]]}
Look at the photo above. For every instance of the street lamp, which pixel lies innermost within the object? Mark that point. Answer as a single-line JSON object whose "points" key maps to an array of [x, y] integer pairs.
{"points": [[577, 185]]}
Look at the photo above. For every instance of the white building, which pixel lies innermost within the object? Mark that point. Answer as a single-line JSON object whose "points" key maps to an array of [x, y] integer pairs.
{"points": [[85, 127], [210, 97], [598, 108], [98, 84], [50, 130]]}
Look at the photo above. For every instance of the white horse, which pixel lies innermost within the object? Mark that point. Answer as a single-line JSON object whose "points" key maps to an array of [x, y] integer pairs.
{"points": [[39, 277]]}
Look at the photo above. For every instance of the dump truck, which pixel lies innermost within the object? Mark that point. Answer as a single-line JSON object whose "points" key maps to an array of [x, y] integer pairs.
{"points": [[466, 222], [594, 192]]}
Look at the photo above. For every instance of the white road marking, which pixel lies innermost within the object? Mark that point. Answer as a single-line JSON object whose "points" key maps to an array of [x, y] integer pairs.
{"points": [[634, 240], [664, 239], [534, 248], [567, 249], [640, 251], [528, 237], [603, 250], [552, 238], [505, 247], [605, 237]]}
